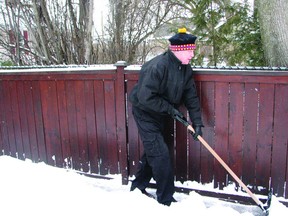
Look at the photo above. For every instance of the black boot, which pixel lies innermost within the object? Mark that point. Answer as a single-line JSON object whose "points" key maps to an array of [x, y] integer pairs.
{"points": [[143, 191], [168, 203], [147, 194]]}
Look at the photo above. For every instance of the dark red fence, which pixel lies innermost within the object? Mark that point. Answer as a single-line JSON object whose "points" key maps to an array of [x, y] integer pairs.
{"points": [[73, 119], [79, 118]]}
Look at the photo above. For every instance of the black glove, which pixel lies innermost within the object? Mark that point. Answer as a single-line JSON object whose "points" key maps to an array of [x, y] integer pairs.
{"points": [[198, 131], [174, 112]]}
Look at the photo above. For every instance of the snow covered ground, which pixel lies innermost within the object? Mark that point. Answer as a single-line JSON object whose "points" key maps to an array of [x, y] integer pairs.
{"points": [[33, 189]]}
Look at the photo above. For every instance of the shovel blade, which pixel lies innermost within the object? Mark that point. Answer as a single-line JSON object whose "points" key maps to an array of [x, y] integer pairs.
{"points": [[266, 206]]}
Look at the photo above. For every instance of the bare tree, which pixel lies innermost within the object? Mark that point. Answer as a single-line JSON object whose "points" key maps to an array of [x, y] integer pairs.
{"points": [[88, 32], [60, 32], [131, 22], [11, 25]]}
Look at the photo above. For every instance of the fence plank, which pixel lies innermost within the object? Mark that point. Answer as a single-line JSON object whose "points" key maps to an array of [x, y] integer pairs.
{"points": [[16, 120], [286, 191], [110, 115], [207, 96], [250, 132], [39, 125], [221, 131], [72, 124], [23, 120], [101, 125], [10, 145], [51, 123], [264, 139], [63, 123], [280, 137], [236, 128], [91, 127], [81, 124], [3, 129], [28, 101], [121, 124]]}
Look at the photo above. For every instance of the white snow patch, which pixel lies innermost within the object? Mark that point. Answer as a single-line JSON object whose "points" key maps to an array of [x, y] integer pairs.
{"points": [[38, 189]]}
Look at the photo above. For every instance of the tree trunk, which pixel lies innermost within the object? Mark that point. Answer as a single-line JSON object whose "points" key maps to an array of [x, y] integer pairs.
{"points": [[273, 18], [88, 35], [40, 32]]}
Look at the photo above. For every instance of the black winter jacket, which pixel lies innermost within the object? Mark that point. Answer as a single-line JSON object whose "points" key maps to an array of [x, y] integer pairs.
{"points": [[164, 83]]}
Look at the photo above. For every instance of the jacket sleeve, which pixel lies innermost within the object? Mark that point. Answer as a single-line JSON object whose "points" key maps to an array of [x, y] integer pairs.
{"points": [[192, 103], [149, 90]]}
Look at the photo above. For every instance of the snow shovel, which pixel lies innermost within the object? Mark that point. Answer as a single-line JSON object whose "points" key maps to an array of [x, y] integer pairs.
{"points": [[264, 208]]}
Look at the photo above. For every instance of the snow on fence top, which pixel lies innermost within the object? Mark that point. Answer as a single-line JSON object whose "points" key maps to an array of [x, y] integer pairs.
{"points": [[57, 68]]}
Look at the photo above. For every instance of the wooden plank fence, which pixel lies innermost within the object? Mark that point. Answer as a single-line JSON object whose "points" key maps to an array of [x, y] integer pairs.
{"points": [[79, 118]]}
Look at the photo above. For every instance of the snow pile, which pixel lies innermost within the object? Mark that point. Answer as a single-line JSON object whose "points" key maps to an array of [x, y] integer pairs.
{"points": [[38, 189]]}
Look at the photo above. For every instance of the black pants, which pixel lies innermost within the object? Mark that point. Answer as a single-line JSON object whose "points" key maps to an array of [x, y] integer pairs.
{"points": [[155, 161]]}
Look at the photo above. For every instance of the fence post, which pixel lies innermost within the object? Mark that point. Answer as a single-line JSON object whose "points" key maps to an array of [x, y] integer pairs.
{"points": [[121, 120]]}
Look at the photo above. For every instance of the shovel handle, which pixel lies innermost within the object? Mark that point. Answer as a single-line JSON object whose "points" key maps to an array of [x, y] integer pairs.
{"points": [[259, 203]]}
